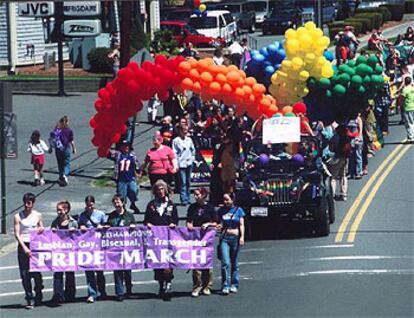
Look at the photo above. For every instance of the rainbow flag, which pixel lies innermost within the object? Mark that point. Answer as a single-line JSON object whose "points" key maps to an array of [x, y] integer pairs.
{"points": [[207, 155]]}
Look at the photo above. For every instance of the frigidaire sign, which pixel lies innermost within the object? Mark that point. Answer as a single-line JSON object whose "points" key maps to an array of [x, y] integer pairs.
{"points": [[36, 9], [82, 8], [81, 28]]}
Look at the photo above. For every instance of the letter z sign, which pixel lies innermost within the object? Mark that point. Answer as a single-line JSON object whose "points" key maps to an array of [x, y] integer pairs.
{"points": [[36, 9]]}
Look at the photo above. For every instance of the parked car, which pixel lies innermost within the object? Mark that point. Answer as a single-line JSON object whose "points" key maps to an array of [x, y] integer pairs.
{"points": [[185, 33], [328, 9], [261, 8], [280, 191], [283, 15], [216, 24], [176, 14], [241, 10]]}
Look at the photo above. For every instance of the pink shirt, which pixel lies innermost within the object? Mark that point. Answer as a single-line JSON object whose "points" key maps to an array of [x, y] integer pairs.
{"points": [[160, 160]]}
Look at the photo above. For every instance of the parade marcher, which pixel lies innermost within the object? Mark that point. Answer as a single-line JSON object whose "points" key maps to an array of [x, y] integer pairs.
{"points": [[382, 107], [152, 109], [246, 55], [160, 160], [232, 237], [162, 212], [355, 129], [93, 218], [201, 214], [167, 130], [64, 221], [119, 218], [235, 51], [185, 152], [409, 36], [340, 145], [24, 222], [127, 167], [408, 106], [37, 147], [115, 57], [190, 51], [61, 139]]}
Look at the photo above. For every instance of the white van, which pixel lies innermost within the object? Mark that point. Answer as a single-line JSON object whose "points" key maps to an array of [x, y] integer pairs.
{"points": [[217, 23]]}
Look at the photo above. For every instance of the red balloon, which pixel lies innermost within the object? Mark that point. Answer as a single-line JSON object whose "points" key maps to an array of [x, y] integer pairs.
{"points": [[104, 95], [92, 123], [299, 108], [163, 95], [99, 105], [197, 3], [103, 152], [161, 60]]}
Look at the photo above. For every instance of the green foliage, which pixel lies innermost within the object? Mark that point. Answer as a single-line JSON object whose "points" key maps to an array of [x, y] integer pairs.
{"points": [[366, 23], [99, 60], [386, 14], [409, 6], [164, 42], [397, 11], [139, 39], [376, 18]]}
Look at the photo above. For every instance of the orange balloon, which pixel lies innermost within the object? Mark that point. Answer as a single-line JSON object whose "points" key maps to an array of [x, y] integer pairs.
{"points": [[241, 81], [203, 65], [242, 74], [250, 81], [239, 92], [259, 89], [215, 88], [233, 77], [214, 69], [184, 68], [226, 89], [197, 87], [286, 109], [206, 77], [232, 68], [187, 83], [271, 110], [193, 62], [247, 90], [221, 78], [223, 69], [194, 75]]}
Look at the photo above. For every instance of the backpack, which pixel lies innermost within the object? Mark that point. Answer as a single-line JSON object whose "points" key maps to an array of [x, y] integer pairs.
{"points": [[56, 139]]}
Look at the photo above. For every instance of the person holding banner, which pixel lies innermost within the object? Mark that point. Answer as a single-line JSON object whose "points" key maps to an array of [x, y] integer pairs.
{"points": [[25, 222], [64, 221], [118, 218], [201, 214], [162, 212], [92, 218], [232, 237]]}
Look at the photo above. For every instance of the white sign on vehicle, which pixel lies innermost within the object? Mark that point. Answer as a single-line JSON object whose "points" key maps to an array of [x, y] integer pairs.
{"points": [[36, 9], [82, 8], [259, 211], [281, 130], [82, 28]]}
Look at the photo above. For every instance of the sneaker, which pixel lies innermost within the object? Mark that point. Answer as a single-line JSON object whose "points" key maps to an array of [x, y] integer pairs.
{"points": [[225, 291], [342, 198], [195, 293], [42, 182], [233, 289], [207, 291], [90, 300], [65, 180], [30, 304], [358, 177], [168, 288], [36, 182]]}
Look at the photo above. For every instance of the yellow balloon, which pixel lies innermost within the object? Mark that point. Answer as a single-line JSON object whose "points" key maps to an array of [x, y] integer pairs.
{"points": [[290, 34], [316, 33], [282, 75], [310, 25], [273, 90], [327, 71], [286, 64], [202, 8], [305, 42], [297, 63], [309, 58], [292, 46], [326, 40], [301, 31], [303, 76], [274, 78]]}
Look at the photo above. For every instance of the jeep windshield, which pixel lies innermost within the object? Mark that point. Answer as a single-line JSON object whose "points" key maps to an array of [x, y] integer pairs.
{"points": [[203, 22]]}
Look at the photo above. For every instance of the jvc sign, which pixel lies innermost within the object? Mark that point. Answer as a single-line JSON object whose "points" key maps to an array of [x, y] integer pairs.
{"points": [[36, 9]]}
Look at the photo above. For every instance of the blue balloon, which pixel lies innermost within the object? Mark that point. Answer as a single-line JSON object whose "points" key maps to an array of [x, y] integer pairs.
{"points": [[259, 58], [272, 49], [277, 44], [277, 115], [269, 69], [276, 66], [197, 12], [298, 160], [267, 63], [204, 14], [329, 56], [264, 52], [280, 55]]}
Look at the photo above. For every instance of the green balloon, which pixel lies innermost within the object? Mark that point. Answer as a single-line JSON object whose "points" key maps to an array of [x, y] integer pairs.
{"points": [[328, 94], [311, 83], [290, 114], [361, 60], [350, 71], [367, 80], [377, 80], [361, 90], [372, 60], [356, 80], [364, 69], [339, 90], [351, 63], [344, 79], [324, 82], [343, 68], [378, 70]]}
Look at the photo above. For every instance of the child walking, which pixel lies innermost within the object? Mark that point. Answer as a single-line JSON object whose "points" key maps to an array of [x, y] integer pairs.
{"points": [[37, 148]]}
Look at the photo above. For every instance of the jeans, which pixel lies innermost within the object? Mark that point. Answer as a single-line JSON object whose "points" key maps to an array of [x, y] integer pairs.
{"points": [[67, 291], [185, 180], [128, 189], [230, 252], [119, 278], [93, 280], [63, 161], [355, 161], [27, 276]]}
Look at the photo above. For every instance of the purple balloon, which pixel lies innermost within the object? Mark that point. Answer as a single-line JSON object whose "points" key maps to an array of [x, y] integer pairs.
{"points": [[264, 159], [298, 160]]}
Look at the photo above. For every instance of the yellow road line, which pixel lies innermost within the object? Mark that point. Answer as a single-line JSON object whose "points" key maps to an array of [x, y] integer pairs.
{"points": [[360, 216], [358, 200]]}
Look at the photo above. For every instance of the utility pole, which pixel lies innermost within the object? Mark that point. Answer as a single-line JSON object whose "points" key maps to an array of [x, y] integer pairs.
{"points": [[125, 32], [58, 26]]}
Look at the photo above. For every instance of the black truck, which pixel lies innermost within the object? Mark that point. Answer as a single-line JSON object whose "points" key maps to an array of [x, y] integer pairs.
{"points": [[278, 188], [242, 11]]}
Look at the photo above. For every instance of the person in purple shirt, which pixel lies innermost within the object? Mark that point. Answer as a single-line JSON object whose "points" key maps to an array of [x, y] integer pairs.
{"points": [[61, 139]]}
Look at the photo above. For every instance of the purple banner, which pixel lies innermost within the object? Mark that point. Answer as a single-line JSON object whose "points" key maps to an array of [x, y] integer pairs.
{"points": [[122, 248]]}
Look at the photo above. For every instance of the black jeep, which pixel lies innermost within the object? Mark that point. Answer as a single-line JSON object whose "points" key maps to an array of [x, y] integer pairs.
{"points": [[278, 188], [242, 11]]}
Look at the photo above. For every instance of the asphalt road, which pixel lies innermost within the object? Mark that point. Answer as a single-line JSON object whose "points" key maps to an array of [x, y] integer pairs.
{"points": [[363, 269]]}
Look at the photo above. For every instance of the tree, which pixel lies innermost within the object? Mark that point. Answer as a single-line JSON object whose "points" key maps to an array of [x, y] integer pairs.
{"points": [[164, 43]]}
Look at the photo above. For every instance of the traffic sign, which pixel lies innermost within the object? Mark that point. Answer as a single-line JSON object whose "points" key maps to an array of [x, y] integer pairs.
{"points": [[82, 8], [37, 9], [82, 28]]}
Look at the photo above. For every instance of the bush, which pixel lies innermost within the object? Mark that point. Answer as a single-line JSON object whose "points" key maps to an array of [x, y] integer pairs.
{"points": [[336, 25], [334, 31], [397, 11], [164, 42], [409, 6], [366, 23], [376, 18], [356, 25], [99, 60], [386, 14]]}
